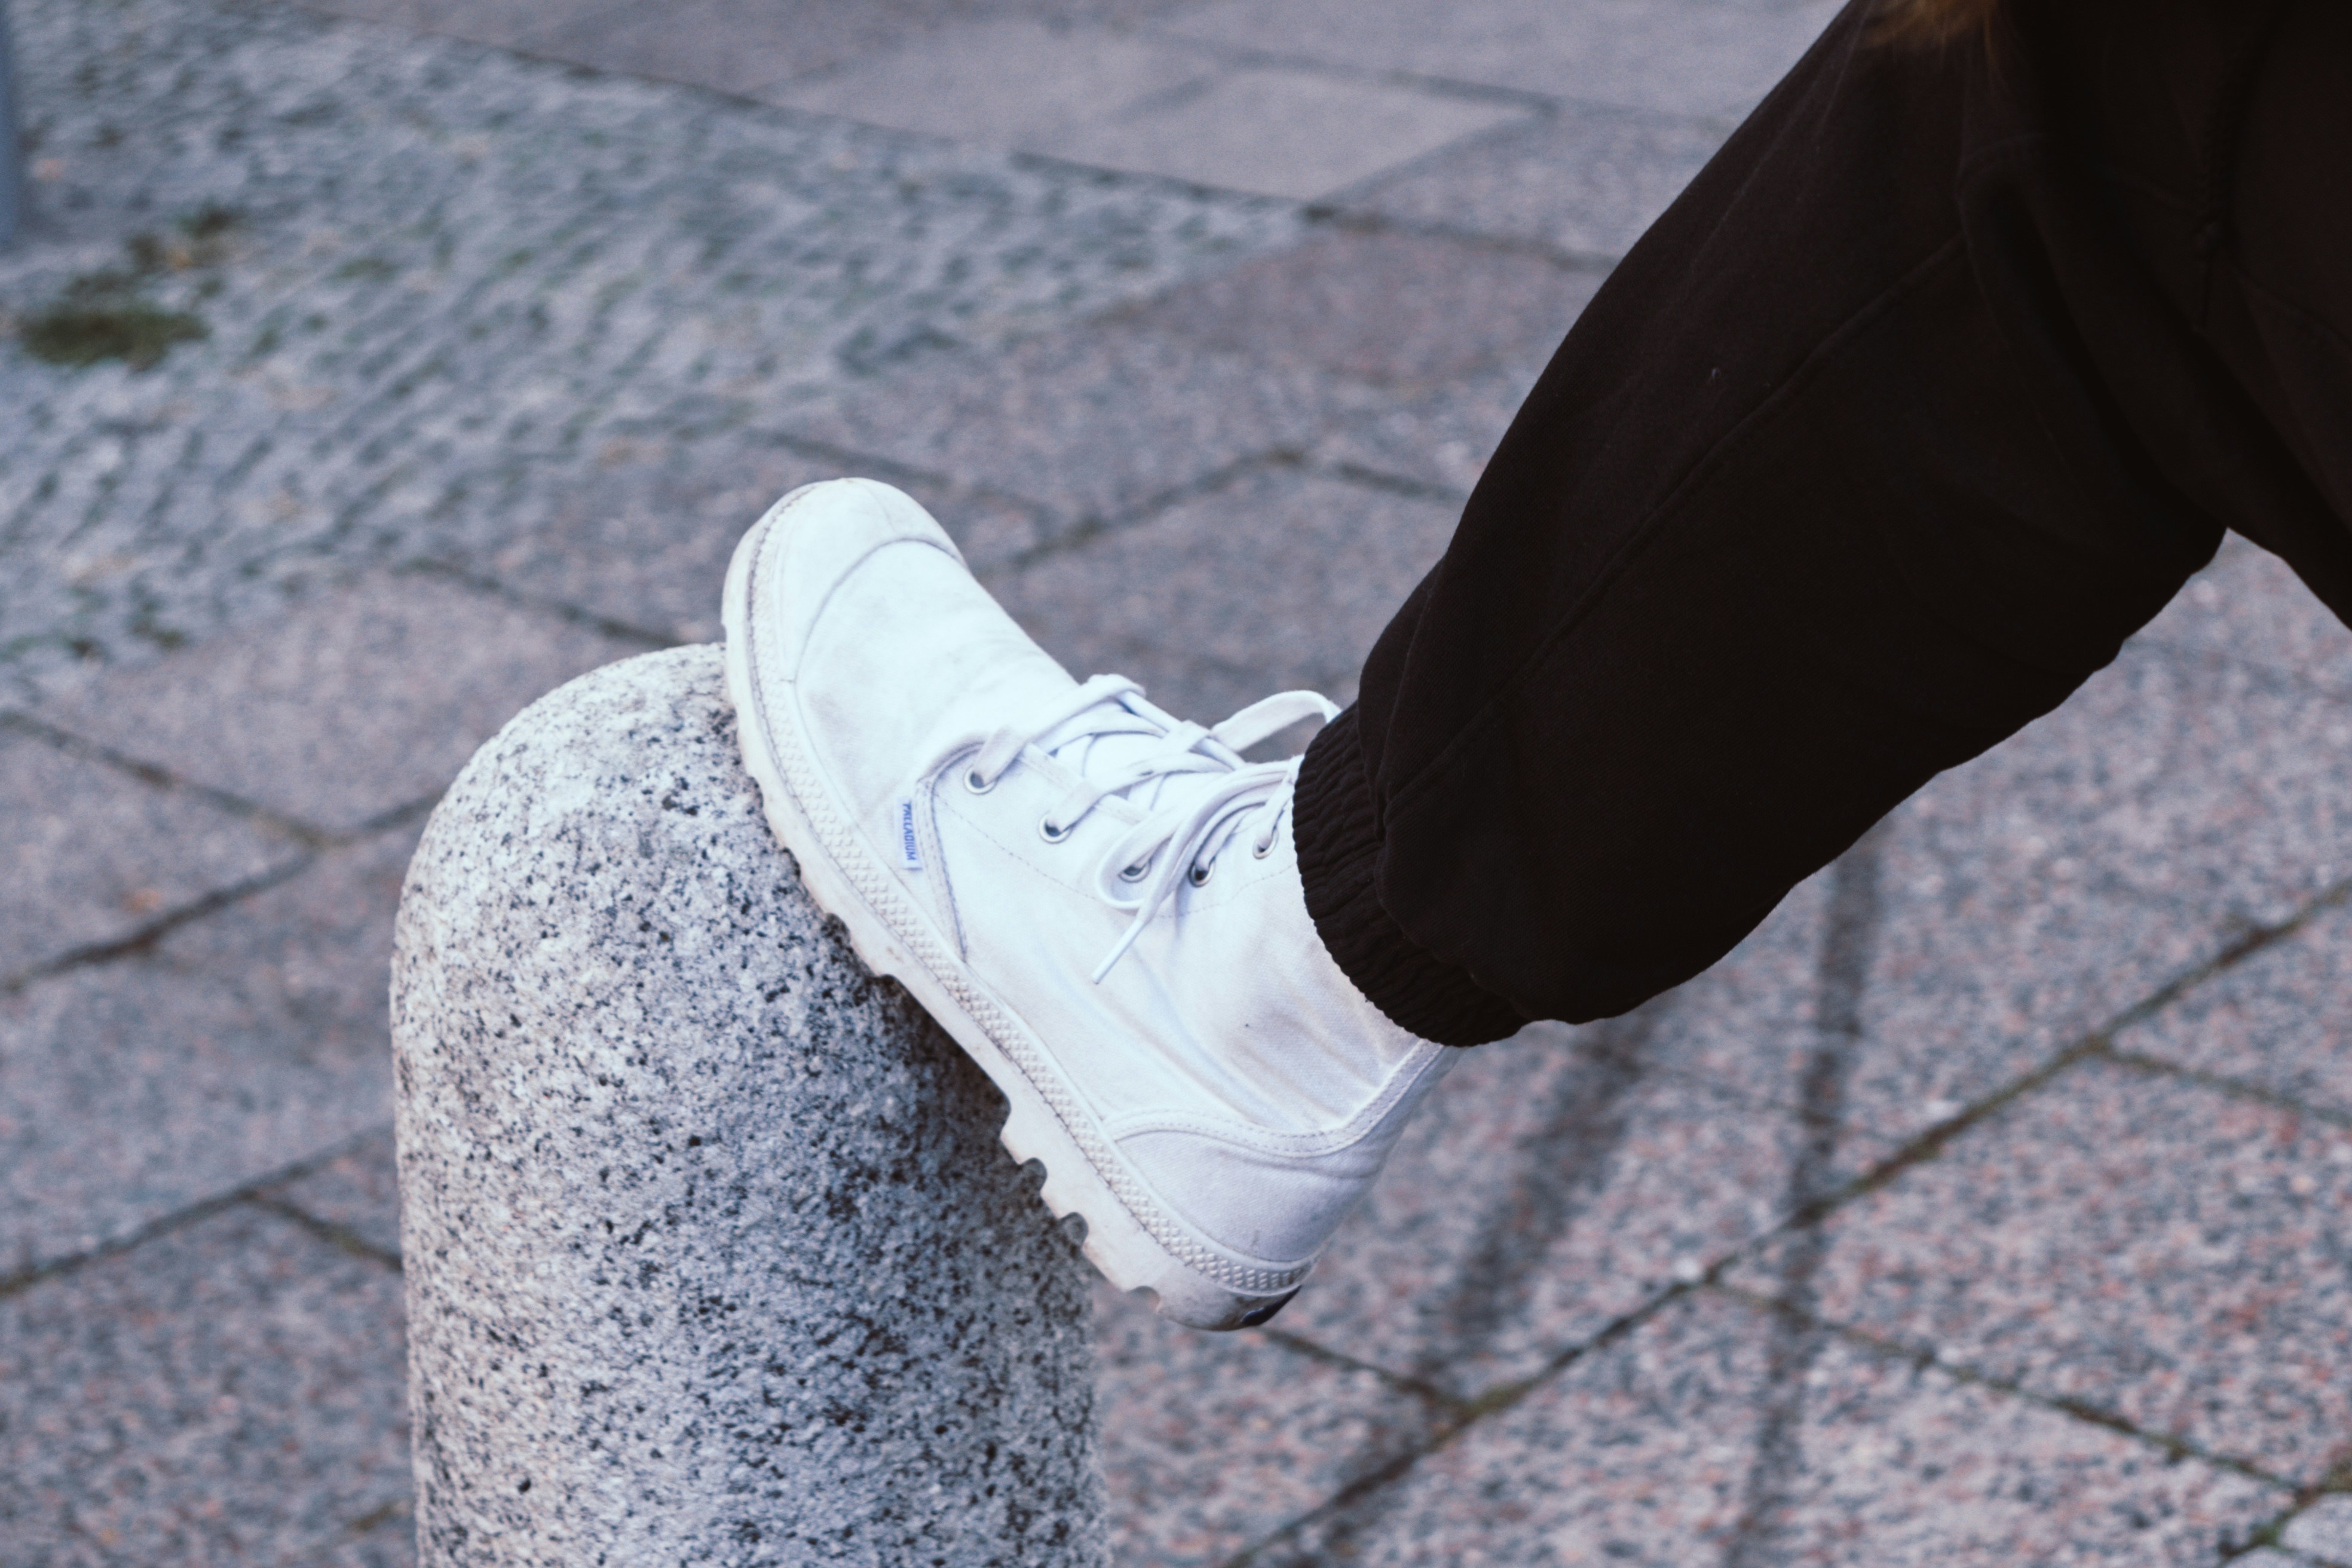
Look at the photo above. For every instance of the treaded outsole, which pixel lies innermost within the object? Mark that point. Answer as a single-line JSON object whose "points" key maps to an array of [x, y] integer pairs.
{"points": [[1116, 1242]]}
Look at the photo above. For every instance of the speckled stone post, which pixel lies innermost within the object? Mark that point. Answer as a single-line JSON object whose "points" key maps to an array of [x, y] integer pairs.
{"points": [[712, 1255]]}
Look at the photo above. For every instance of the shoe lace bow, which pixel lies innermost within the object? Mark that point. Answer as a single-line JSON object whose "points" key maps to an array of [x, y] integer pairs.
{"points": [[1183, 829]]}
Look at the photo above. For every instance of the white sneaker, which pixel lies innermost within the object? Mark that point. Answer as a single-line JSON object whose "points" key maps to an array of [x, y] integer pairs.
{"points": [[1100, 903]]}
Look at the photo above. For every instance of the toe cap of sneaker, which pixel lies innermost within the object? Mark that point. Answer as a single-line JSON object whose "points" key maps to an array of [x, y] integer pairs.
{"points": [[816, 537]]}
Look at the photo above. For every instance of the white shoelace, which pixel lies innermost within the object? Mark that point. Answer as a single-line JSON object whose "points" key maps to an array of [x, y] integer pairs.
{"points": [[1181, 840]]}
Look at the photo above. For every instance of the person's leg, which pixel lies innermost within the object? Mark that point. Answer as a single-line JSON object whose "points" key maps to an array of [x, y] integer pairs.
{"points": [[1878, 445], [1818, 498]]}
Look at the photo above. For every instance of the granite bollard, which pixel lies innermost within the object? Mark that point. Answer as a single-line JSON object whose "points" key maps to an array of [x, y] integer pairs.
{"points": [[712, 1255]]}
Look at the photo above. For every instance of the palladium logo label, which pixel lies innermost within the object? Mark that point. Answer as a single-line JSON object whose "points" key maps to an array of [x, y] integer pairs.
{"points": [[910, 855]]}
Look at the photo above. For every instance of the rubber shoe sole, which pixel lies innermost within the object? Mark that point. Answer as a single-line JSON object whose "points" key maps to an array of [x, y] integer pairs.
{"points": [[847, 882]]}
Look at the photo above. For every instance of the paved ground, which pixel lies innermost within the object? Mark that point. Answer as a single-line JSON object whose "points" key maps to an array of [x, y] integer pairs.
{"points": [[1988, 1205]]}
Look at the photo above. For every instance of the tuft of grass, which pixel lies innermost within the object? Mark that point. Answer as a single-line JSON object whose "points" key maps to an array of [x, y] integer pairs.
{"points": [[77, 332], [210, 221], [102, 315]]}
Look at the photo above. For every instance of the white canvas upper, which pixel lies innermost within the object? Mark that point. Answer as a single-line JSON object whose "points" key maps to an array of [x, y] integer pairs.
{"points": [[1203, 1084]]}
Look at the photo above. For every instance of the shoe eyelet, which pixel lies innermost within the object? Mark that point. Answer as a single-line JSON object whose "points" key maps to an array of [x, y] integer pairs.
{"points": [[1199, 875], [1135, 873], [1051, 834], [973, 783], [1260, 851]]}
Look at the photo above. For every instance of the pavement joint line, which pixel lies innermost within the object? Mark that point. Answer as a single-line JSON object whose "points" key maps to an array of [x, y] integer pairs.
{"points": [[23, 1279], [1085, 530], [1401, 1383], [888, 467], [145, 937], [2096, 1045], [1918, 1150], [1493, 1402], [383, 1513], [1925, 1357], [1581, 1131], [563, 609], [2222, 1083], [891, 469], [531, 49], [338, 1236], [2272, 1532], [151, 773], [1848, 943], [1436, 84], [1051, 162], [315, 846], [1353, 473], [1341, 211], [1344, 215]]}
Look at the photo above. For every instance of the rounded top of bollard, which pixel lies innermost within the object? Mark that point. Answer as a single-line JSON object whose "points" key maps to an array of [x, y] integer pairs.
{"points": [[709, 1237]]}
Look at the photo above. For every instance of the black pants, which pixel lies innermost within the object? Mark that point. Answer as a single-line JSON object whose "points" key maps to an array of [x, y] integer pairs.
{"points": [[1931, 390]]}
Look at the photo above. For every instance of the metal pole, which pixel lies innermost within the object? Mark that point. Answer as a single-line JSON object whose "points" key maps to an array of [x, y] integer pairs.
{"points": [[12, 149]]}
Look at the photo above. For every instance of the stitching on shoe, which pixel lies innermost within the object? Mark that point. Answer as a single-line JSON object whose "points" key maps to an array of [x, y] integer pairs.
{"points": [[838, 839]]}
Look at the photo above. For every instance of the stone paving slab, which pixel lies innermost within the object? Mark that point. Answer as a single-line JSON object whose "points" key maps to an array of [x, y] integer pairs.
{"points": [[1587, 181], [2033, 895], [1647, 1451], [132, 852], [1403, 311], [2206, 787], [641, 537], [359, 706], [1008, 83], [231, 1393], [1212, 1442], [390, 1541], [133, 1092], [1699, 57], [1094, 422], [733, 46], [356, 1193], [1301, 134], [1553, 1187], [1441, 440], [2277, 1021], [317, 946], [1144, 103], [508, 23], [2150, 1247], [1749, 1025], [239, 1046], [2325, 1530], [1987, 966], [1327, 562]]}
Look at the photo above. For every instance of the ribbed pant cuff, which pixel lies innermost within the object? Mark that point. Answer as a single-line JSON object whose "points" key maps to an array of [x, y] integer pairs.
{"points": [[1338, 836]]}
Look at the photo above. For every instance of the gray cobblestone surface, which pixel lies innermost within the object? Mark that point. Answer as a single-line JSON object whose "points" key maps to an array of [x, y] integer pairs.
{"points": [[453, 276], [1985, 1207]]}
